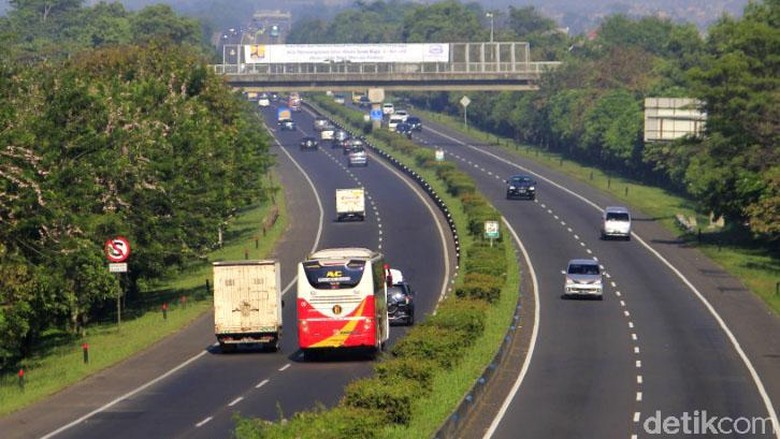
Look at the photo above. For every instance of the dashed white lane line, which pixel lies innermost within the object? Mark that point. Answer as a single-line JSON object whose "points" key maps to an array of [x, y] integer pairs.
{"points": [[639, 379], [638, 364], [637, 415], [623, 303], [633, 336], [636, 350], [631, 325], [626, 313], [576, 236], [261, 384], [617, 293], [639, 396], [283, 368], [235, 401], [204, 422]]}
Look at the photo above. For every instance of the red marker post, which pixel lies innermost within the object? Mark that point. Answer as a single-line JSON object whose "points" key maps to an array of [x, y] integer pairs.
{"points": [[165, 311], [85, 350], [21, 379]]}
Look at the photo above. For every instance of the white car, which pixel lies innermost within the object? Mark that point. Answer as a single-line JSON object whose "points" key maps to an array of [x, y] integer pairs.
{"points": [[393, 122], [264, 100], [583, 278], [402, 113], [357, 157], [388, 108], [616, 223]]}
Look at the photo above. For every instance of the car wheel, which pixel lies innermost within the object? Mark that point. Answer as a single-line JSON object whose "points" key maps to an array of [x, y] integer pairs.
{"points": [[410, 320]]}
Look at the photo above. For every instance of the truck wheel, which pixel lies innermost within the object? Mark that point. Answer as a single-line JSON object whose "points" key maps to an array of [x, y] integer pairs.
{"points": [[227, 348]]}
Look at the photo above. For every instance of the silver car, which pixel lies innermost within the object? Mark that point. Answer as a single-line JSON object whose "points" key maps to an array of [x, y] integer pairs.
{"points": [[583, 279], [358, 157]]}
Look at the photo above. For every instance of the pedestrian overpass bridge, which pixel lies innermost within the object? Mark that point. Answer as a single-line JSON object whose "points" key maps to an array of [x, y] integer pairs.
{"points": [[489, 66]]}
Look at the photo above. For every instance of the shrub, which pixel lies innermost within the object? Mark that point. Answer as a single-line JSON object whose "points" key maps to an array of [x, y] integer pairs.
{"points": [[467, 316], [428, 342], [480, 286], [320, 423], [486, 260], [393, 398], [420, 371]]}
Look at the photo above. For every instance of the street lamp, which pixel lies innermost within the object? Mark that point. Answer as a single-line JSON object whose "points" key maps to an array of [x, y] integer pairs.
{"points": [[490, 16]]}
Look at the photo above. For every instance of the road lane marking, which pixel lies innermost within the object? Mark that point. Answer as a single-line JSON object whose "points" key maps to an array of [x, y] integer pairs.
{"points": [[261, 384], [235, 401], [204, 422], [283, 368]]}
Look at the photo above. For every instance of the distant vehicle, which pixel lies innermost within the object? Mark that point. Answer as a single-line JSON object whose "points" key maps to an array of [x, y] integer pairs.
{"points": [[352, 144], [341, 301], [405, 129], [274, 97], [264, 100], [583, 278], [283, 113], [251, 96], [320, 122], [403, 114], [520, 186], [400, 299], [247, 304], [615, 223], [357, 95], [340, 99], [393, 122], [327, 132], [339, 137], [388, 108], [364, 102], [294, 101], [357, 157], [309, 142], [287, 125], [415, 122], [350, 204], [274, 31]]}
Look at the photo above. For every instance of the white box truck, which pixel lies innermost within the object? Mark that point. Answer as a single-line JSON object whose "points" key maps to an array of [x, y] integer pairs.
{"points": [[247, 304], [350, 204]]}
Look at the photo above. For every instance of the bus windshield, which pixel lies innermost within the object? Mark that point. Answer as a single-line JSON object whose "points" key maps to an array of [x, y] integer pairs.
{"points": [[339, 276]]}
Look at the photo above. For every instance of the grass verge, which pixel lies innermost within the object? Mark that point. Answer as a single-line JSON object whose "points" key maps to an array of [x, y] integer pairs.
{"points": [[751, 264], [63, 363]]}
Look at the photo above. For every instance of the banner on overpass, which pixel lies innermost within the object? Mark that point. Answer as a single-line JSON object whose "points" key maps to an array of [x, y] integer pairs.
{"points": [[335, 53]]}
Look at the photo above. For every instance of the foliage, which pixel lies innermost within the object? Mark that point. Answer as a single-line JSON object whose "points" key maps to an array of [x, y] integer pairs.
{"points": [[337, 423], [393, 398]]}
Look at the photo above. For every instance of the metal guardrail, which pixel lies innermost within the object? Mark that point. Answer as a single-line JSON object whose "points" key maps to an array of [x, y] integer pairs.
{"points": [[445, 69]]}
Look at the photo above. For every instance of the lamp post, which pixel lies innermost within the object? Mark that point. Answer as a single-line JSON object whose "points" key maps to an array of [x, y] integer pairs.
{"points": [[490, 16]]}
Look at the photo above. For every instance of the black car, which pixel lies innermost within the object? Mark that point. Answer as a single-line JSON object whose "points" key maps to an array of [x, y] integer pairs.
{"points": [[400, 303], [287, 125], [405, 129], [414, 122], [309, 143], [521, 186], [364, 102]]}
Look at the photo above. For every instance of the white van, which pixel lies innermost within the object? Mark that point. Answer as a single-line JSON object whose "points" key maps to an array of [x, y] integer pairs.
{"points": [[615, 223], [393, 122]]}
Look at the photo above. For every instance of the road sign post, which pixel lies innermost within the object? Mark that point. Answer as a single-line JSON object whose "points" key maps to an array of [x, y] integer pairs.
{"points": [[117, 251], [491, 231], [465, 101]]}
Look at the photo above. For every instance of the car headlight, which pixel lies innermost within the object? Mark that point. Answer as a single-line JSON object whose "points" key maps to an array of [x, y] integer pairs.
{"points": [[511, 188], [531, 188]]}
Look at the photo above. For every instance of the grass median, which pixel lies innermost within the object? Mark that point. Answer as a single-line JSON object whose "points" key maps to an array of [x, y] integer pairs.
{"points": [[62, 361]]}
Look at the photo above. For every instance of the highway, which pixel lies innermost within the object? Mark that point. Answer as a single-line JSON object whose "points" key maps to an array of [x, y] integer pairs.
{"points": [[607, 369], [146, 397]]}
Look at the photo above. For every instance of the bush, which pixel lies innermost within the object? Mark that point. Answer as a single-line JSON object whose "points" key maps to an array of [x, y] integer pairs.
{"points": [[486, 260], [467, 316], [428, 342], [480, 286], [392, 398], [419, 371], [320, 423]]}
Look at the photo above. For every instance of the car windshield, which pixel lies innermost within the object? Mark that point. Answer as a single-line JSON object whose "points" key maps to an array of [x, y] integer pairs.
{"points": [[584, 269], [617, 216], [520, 180]]}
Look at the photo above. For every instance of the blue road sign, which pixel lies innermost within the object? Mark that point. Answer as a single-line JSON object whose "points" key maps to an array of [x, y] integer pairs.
{"points": [[376, 114]]}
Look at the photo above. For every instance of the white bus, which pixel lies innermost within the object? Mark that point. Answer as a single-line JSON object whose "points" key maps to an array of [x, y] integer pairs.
{"points": [[342, 301]]}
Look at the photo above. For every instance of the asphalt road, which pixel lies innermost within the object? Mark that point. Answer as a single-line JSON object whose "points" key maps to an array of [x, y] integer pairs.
{"points": [[156, 395], [651, 350]]}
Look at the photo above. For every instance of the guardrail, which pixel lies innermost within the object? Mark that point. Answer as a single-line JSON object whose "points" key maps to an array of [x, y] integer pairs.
{"points": [[534, 69]]}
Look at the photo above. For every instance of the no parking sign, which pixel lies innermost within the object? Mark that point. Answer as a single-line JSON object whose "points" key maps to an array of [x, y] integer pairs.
{"points": [[117, 249]]}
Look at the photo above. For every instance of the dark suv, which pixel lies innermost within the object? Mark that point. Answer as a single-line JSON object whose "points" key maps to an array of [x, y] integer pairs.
{"points": [[400, 303], [521, 186]]}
